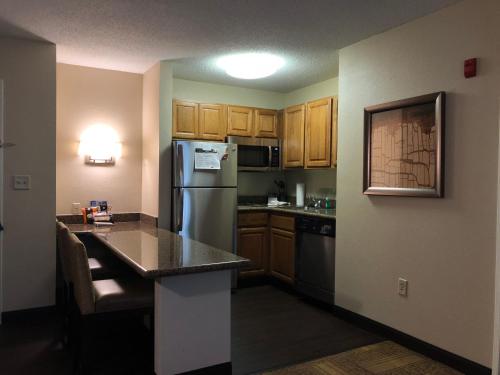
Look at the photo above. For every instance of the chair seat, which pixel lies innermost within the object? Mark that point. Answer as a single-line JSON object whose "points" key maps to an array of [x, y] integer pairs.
{"points": [[123, 294], [100, 269]]}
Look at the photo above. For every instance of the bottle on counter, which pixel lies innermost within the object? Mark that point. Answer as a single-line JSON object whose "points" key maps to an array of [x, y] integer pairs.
{"points": [[328, 203]]}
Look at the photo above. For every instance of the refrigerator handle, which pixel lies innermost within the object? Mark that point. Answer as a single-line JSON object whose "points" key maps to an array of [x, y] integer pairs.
{"points": [[180, 210], [180, 164]]}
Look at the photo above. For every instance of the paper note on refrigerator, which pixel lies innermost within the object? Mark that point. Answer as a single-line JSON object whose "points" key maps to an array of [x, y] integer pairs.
{"points": [[206, 159]]}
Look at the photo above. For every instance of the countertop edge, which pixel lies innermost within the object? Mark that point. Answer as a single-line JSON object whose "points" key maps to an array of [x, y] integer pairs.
{"points": [[289, 211], [224, 266], [209, 267]]}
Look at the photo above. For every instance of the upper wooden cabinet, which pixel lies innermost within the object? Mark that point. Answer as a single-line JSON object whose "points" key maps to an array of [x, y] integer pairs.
{"points": [[334, 131], [239, 121], [185, 119], [198, 121], [266, 123], [212, 122], [293, 136], [310, 134], [318, 133]]}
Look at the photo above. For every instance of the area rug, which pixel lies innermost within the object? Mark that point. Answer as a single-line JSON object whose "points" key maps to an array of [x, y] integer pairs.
{"points": [[385, 358]]}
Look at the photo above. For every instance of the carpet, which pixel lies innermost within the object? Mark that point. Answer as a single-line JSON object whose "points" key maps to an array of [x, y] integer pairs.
{"points": [[385, 358]]}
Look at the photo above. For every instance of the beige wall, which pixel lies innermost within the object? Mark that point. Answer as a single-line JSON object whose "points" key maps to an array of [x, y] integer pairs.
{"points": [[86, 96], [150, 140], [165, 135], [319, 90], [444, 247], [29, 73], [214, 93]]}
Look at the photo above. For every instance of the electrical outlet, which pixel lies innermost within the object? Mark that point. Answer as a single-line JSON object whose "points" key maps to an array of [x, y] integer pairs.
{"points": [[75, 208], [22, 182], [402, 287]]}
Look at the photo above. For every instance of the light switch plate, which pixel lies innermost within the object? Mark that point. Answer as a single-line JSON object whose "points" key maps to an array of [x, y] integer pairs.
{"points": [[22, 182], [403, 287]]}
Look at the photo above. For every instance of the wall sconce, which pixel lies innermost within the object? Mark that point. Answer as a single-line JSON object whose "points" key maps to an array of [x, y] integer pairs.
{"points": [[100, 146]]}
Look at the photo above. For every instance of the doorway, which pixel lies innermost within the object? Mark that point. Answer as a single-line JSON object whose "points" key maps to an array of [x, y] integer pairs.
{"points": [[496, 319], [2, 114]]}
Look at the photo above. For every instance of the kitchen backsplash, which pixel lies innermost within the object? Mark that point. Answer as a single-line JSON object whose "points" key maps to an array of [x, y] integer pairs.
{"points": [[258, 183], [320, 183]]}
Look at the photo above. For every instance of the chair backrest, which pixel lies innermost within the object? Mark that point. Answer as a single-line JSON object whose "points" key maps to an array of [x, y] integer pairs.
{"points": [[81, 277], [62, 240]]}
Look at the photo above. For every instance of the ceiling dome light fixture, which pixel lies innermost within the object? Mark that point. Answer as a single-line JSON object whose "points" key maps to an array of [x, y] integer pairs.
{"points": [[250, 65]]}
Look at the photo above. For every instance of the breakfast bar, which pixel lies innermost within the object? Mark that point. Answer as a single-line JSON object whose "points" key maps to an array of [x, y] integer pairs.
{"points": [[192, 292]]}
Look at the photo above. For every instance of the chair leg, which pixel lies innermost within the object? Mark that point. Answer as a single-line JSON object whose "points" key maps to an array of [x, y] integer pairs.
{"points": [[81, 343], [152, 338], [76, 332], [85, 340]]}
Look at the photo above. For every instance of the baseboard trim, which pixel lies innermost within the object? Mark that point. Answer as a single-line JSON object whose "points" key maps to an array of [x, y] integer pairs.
{"points": [[220, 369], [28, 314], [453, 360]]}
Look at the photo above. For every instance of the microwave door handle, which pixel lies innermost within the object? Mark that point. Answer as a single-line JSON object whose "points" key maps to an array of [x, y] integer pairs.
{"points": [[270, 159]]}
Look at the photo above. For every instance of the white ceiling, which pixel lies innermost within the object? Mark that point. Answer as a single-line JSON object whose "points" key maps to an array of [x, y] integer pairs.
{"points": [[131, 35]]}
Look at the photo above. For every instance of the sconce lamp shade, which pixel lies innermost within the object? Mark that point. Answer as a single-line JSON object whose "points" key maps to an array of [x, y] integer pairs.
{"points": [[100, 145]]}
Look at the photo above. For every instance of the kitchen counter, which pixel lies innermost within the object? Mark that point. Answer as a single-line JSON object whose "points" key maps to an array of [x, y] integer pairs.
{"points": [[317, 212], [192, 292], [154, 252]]}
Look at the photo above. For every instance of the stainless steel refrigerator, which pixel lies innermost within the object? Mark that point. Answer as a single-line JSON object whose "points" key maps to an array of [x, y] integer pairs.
{"points": [[204, 193]]}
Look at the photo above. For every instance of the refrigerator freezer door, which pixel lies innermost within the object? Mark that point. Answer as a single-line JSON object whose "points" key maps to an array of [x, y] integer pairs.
{"points": [[185, 174], [207, 215]]}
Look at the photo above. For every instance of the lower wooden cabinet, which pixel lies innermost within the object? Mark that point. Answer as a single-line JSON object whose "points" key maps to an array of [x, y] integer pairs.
{"points": [[269, 242], [253, 245], [283, 255]]}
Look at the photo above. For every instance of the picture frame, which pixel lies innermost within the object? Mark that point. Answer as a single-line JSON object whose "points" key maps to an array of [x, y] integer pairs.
{"points": [[404, 147]]}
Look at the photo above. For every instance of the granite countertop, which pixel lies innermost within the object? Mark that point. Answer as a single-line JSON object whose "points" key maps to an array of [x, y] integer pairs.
{"points": [[328, 213], [155, 252]]}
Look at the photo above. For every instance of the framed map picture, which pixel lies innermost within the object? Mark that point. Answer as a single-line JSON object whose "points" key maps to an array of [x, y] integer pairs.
{"points": [[404, 147]]}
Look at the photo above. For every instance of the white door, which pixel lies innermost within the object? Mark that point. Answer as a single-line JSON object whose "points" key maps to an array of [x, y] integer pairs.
{"points": [[496, 319], [1, 193]]}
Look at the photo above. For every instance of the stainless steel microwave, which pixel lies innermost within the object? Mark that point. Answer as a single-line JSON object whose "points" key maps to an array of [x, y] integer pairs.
{"points": [[257, 154]]}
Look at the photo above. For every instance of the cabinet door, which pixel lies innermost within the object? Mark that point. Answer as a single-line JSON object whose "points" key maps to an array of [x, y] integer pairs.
{"points": [[252, 244], [185, 119], [252, 219], [239, 121], [280, 124], [318, 151], [283, 255], [212, 122], [266, 123], [334, 131], [293, 136]]}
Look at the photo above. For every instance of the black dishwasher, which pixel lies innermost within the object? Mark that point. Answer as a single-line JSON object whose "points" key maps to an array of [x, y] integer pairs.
{"points": [[315, 257]]}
